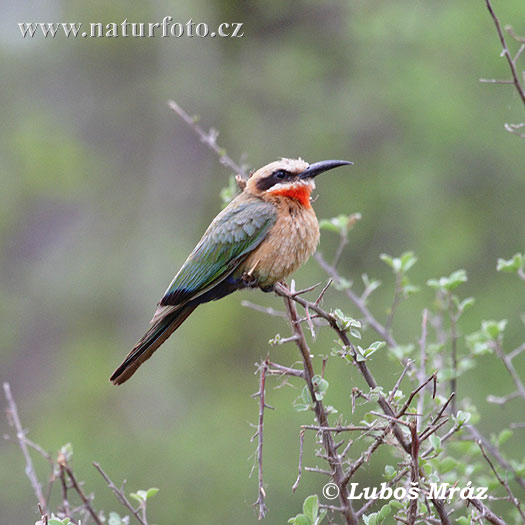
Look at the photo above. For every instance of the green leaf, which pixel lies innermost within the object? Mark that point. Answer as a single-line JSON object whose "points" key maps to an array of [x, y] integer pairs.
{"points": [[341, 224], [345, 322], [447, 284], [408, 259], [311, 507], [511, 265], [300, 519], [371, 519], [387, 259], [456, 279], [151, 492], [374, 347], [321, 517], [390, 472], [384, 512], [435, 441], [504, 435], [355, 333], [320, 386], [446, 465], [115, 519], [370, 285], [466, 304], [461, 418], [493, 329], [396, 504]]}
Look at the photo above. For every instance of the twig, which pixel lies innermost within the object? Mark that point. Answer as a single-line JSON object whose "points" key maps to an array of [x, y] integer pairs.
{"points": [[414, 470], [502, 482], [120, 495], [210, 139], [264, 309], [507, 361], [277, 369], [485, 512], [328, 443], [453, 317], [14, 421], [361, 365], [506, 53], [395, 303], [300, 467], [477, 436], [370, 319], [259, 434], [390, 398], [422, 363], [62, 462]]}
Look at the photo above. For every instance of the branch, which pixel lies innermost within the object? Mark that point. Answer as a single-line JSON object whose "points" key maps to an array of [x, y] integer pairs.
{"points": [[328, 443], [361, 305], [14, 421], [120, 495], [506, 53], [259, 434], [62, 462], [502, 482], [361, 365], [210, 139]]}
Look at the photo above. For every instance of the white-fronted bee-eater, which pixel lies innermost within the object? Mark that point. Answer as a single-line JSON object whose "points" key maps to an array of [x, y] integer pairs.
{"points": [[264, 234]]}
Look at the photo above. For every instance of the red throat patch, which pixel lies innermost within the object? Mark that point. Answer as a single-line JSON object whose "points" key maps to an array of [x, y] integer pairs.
{"points": [[299, 193]]}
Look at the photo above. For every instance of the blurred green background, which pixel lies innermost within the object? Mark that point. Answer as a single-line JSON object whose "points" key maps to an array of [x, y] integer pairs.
{"points": [[104, 190]]}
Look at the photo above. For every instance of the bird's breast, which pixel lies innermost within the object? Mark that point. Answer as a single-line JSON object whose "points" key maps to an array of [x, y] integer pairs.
{"points": [[291, 241]]}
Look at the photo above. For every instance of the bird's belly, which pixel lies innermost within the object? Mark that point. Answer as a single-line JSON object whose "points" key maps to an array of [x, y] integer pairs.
{"points": [[290, 242]]}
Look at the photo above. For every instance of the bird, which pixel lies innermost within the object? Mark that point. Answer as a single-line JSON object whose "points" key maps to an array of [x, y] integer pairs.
{"points": [[264, 234]]}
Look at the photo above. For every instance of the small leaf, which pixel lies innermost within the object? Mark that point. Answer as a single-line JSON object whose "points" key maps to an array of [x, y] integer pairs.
{"points": [[390, 472], [151, 492], [387, 259], [408, 259], [384, 512], [435, 441], [300, 519], [504, 435], [511, 265], [461, 418], [311, 507]]}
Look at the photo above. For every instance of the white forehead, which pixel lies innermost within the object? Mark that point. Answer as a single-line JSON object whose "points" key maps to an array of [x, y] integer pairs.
{"points": [[292, 165]]}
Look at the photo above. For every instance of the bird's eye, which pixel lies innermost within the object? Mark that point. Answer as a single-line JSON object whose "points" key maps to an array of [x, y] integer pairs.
{"points": [[280, 174]]}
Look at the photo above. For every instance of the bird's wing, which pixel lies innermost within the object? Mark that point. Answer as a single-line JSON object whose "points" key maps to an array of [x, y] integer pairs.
{"points": [[232, 235]]}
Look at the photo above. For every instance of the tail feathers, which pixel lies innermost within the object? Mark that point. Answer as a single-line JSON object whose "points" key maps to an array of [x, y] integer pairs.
{"points": [[151, 340]]}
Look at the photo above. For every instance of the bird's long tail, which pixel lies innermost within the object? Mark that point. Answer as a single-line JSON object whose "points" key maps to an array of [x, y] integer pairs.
{"points": [[151, 340]]}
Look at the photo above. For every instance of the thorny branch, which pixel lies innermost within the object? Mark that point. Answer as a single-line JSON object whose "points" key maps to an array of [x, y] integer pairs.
{"points": [[506, 53], [259, 435], [14, 421], [121, 495], [210, 139], [512, 61], [322, 418]]}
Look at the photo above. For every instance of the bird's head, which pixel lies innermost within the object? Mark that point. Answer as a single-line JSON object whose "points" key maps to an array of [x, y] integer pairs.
{"points": [[293, 178]]}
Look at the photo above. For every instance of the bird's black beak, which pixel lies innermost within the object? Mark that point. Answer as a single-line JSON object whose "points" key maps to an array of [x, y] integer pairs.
{"points": [[319, 167]]}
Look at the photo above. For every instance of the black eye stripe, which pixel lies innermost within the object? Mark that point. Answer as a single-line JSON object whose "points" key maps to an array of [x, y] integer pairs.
{"points": [[274, 178]]}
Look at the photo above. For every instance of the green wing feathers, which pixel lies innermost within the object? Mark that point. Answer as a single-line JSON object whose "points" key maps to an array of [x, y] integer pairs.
{"points": [[234, 233]]}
